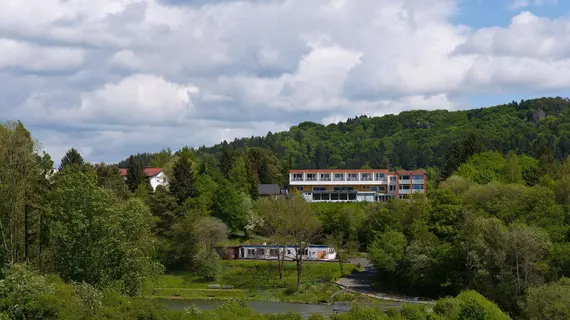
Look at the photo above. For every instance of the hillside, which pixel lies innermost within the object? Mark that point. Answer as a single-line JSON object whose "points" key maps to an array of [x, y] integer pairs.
{"points": [[418, 139]]}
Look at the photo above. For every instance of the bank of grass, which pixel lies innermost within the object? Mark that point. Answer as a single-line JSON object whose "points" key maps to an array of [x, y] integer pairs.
{"points": [[258, 280]]}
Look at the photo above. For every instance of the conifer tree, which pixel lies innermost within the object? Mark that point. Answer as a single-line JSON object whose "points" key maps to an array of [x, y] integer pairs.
{"points": [[183, 181], [135, 174], [71, 158]]}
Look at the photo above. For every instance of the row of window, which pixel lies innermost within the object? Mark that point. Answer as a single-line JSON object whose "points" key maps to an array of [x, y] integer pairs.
{"points": [[415, 187], [351, 177], [275, 252]]}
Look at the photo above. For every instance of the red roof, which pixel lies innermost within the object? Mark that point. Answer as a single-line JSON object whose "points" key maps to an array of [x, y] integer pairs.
{"points": [[149, 172]]}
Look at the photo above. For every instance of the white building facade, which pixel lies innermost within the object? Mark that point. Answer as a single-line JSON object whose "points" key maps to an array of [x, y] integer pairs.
{"points": [[272, 252]]}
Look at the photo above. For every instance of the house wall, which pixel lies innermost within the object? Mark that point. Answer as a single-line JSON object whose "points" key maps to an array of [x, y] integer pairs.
{"points": [[158, 180], [271, 253]]}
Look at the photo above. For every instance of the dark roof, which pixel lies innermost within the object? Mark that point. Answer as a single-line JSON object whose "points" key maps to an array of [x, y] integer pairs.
{"points": [[269, 189], [149, 172]]}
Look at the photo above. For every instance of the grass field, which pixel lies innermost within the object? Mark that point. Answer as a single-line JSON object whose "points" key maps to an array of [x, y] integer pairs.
{"points": [[257, 280]]}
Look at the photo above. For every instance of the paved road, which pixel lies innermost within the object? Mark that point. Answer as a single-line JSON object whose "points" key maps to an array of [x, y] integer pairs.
{"points": [[360, 282]]}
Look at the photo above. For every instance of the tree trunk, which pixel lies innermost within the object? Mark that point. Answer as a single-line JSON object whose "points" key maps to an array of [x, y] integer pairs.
{"points": [[299, 269], [26, 235], [340, 265]]}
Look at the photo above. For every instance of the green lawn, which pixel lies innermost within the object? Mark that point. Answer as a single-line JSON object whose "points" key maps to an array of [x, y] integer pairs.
{"points": [[256, 280]]}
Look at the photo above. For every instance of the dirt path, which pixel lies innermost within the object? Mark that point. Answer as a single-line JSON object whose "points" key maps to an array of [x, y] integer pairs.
{"points": [[360, 282]]}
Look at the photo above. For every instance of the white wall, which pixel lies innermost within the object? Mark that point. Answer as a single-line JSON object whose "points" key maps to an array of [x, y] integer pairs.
{"points": [[158, 180]]}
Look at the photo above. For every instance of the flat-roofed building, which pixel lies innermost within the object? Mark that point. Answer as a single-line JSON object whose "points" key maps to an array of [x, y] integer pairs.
{"points": [[372, 185]]}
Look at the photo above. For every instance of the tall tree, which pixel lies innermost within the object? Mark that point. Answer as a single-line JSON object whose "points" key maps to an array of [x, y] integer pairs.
{"points": [[17, 168], [71, 159], [183, 181], [99, 240], [135, 174], [238, 175]]}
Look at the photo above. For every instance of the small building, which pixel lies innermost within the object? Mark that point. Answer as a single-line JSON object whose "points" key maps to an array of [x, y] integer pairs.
{"points": [[156, 176], [270, 190], [273, 252]]}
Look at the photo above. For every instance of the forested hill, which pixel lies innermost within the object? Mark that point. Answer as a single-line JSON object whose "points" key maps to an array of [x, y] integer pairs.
{"points": [[413, 139], [419, 139]]}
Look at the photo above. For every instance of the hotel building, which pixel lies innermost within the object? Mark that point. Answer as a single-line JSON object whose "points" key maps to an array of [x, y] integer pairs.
{"points": [[338, 185]]}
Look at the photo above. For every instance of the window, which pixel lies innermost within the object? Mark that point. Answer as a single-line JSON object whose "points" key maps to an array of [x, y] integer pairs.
{"points": [[418, 187], [311, 177], [261, 252], [366, 176], [392, 188], [392, 179], [404, 187], [352, 177], [297, 177], [334, 196], [306, 252], [300, 189], [339, 177], [380, 177], [380, 189], [325, 177], [403, 196], [289, 252], [405, 177], [317, 197], [273, 252], [250, 252], [341, 189], [319, 189], [418, 177], [352, 196]]}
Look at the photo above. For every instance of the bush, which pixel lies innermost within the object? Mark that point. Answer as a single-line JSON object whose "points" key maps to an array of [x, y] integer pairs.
{"points": [[291, 288], [209, 265]]}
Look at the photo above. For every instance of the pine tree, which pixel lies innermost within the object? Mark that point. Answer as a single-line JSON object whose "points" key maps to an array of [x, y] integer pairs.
{"points": [[183, 182], [227, 159], [71, 158], [135, 174], [265, 176]]}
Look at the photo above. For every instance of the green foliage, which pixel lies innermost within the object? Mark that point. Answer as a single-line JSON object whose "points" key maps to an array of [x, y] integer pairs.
{"points": [[551, 301], [182, 183], [209, 266], [71, 159], [135, 174], [99, 240]]}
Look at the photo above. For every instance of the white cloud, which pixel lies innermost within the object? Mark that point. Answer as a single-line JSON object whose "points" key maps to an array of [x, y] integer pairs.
{"points": [[518, 4], [26, 56], [146, 74]]}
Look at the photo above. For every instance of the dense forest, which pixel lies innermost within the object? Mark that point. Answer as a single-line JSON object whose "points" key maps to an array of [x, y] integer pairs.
{"points": [[497, 218]]}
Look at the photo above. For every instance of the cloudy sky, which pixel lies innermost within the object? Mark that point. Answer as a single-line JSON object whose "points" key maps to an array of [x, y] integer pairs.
{"points": [[115, 77]]}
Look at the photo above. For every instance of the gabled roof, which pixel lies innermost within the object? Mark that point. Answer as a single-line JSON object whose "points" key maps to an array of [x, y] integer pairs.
{"points": [[269, 189], [149, 172]]}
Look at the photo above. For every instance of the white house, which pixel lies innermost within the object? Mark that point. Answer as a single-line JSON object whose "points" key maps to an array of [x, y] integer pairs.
{"points": [[272, 252], [155, 175]]}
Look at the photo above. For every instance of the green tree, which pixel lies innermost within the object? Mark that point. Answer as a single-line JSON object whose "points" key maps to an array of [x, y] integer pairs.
{"points": [[109, 177], [238, 175], [99, 240], [135, 174], [228, 206], [387, 252], [71, 158], [512, 172], [183, 181], [549, 301], [211, 232]]}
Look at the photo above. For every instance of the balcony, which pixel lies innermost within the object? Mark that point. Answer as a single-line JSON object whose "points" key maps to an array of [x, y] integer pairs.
{"points": [[404, 181]]}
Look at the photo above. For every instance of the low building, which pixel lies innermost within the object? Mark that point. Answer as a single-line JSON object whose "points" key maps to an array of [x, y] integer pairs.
{"points": [[270, 191], [372, 185], [273, 252], [156, 176]]}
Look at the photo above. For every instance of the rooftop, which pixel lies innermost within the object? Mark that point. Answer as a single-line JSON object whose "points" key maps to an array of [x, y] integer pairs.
{"points": [[149, 172]]}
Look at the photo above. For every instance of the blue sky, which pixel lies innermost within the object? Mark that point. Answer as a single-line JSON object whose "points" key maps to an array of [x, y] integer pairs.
{"points": [[115, 77]]}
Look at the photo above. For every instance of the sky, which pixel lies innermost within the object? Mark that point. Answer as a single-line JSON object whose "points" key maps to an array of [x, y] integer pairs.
{"points": [[117, 77]]}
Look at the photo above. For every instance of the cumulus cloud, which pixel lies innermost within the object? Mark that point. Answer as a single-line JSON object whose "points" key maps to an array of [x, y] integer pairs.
{"points": [[517, 4], [113, 77], [26, 56]]}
